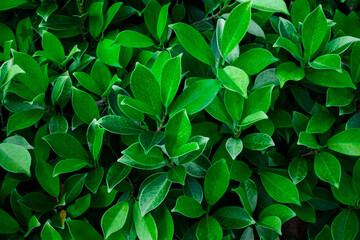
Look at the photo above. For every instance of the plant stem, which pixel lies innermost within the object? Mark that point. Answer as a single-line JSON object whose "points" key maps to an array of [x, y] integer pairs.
{"points": [[212, 16], [161, 124]]}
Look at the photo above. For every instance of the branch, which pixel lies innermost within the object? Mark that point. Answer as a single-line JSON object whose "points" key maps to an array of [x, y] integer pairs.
{"points": [[212, 16]]}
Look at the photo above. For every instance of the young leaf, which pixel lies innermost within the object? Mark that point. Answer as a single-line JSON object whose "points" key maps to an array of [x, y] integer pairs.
{"points": [[188, 207], [234, 79], [148, 140], [153, 194], [49, 233], [234, 147], [345, 225], [280, 188], [327, 168], [132, 39], [177, 132], [234, 104], [84, 106], [254, 60], [346, 142], [328, 61], [116, 174], [232, 217], [197, 96], [53, 48], [281, 211], [145, 225], [114, 218], [314, 31], [162, 20], [208, 228], [170, 80], [235, 28], [298, 169], [15, 158], [289, 71], [257, 141], [177, 174], [216, 182], [193, 42]]}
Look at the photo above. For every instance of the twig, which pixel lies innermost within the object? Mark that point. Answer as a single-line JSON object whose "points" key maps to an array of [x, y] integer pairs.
{"points": [[101, 103], [212, 16], [161, 124], [82, 20], [310, 153]]}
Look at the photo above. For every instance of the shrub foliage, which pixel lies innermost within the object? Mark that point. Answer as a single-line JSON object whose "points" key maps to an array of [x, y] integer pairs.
{"points": [[152, 119]]}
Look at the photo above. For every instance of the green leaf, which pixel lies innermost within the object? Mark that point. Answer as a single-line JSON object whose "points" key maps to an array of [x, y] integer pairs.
{"points": [[235, 28], [96, 18], [21, 120], [66, 146], [232, 217], [132, 39], [148, 140], [271, 222], [53, 47], [240, 171], [298, 169], [345, 225], [234, 147], [289, 71], [308, 140], [84, 106], [339, 97], [145, 87], [120, 125], [94, 138], [6, 5], [145, 225], [280, 188], [269, 5], [209, 229], [328, 61], [8, 225], [82, 230], [110, 14], [345, 193], [163, 218], [324, 234], [114, 218], [253, 118], [216, 181], [314, 31], [73, 186], [154, 194], [197, 96], [177, 132], [355, 63], [257, 141], [69, 165], [170, 80], [327, 168], [58, 123], [188, 207], [117, 173], [193, 42], [162, 20], [136, 157], [94, 178], [281, 211], [15, 159], [177, 174], [340, 44], [288, 46], [44, 175], [254, 60], [109, 53], [329, 78], [37, 201], [33, 223], [80, 206], [234, 79], [299, 10], [321, 122], [234, 104], [49, 233], [346, 142], [218, 111], [258, 100]]}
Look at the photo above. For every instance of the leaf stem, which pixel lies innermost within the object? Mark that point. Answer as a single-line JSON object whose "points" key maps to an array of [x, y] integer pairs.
{"points": [[161, 124]]}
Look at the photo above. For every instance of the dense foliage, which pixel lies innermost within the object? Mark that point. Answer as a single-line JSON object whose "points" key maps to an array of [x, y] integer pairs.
{"points": [[152, 119]]}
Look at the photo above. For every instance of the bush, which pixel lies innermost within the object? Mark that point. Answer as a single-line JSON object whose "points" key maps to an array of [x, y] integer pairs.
{"points": [[202, 120]]}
